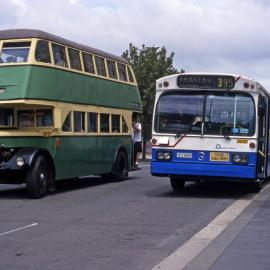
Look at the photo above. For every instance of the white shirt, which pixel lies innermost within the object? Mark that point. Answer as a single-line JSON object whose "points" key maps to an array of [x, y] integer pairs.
{"points": [[137, 133]]}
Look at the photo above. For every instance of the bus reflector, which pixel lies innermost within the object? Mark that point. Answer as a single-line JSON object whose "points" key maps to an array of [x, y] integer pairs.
{"points": [[252, 145], [57, 142], [166, 84]]}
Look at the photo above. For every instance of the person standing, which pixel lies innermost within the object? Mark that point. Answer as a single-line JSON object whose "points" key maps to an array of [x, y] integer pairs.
{"points": [[137, 140]]}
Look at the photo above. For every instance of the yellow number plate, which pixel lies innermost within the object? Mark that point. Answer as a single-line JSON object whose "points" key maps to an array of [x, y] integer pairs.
{"points": [[217, 156]]}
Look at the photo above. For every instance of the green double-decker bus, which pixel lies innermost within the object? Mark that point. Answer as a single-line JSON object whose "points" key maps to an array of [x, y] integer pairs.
{"points": [[65, 111]]}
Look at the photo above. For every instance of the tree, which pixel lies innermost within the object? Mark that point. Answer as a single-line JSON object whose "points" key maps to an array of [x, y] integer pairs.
{"points": [[149, 64]]}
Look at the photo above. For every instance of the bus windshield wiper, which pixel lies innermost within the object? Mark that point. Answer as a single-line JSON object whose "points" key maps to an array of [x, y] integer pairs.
{"points": [[189, 128], [226, 136], [180, 133]]}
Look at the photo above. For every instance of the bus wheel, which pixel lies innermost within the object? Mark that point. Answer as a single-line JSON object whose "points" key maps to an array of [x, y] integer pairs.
{"points": [[37, 178], [121, 167], [257, 186], [177, 183]]}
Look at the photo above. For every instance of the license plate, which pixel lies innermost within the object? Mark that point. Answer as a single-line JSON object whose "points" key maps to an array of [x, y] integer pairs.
{"points": [[217, 156], [183, 155]]}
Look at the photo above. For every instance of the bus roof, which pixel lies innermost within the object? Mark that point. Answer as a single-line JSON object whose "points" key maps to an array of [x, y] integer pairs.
{"points": [[171, 82], [33, 33], [208, 73]]}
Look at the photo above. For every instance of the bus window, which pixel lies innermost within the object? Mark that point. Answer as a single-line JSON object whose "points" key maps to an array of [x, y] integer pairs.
{"points": [[130, 76], [15, 52], [111, 69], [100, 64], [88, 63], [115, 123], [44, 118], [6, 117], [42, 53], [179, 113], [124, 126], [67, 123], [74, 59], [26, 118], [92, 122], [79, 123], [122, 72], [59, 55], [104, 123], [229, 114]]}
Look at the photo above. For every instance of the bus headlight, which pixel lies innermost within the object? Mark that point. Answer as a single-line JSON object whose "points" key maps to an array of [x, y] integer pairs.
{"points": [[162, 155], [20, 161], [236, 158], [167, 155], [240, 158]]}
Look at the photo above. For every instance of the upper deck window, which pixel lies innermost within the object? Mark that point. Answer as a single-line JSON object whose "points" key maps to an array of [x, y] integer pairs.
{"points": [[59, 55], [88, 63], [100, 64], [122, 72], [42, 53], [130, 75], [111, 69], [74, 58], [15, 52]]}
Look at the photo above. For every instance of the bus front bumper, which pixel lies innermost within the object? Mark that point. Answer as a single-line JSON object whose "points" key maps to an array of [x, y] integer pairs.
{"points": [[203, 170]]}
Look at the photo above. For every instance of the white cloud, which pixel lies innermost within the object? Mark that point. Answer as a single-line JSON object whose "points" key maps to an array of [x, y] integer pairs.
{"points": [[206, 35]]}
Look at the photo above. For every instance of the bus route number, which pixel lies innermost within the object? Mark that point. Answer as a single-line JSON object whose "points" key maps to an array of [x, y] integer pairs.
{"points": [[225, 82]]}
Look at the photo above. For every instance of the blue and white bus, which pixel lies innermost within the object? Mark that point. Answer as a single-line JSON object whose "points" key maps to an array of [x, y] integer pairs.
{"points": [[210, 126]]}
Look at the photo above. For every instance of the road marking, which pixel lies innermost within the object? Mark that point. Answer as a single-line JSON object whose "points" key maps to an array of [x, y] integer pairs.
{"points": [[181, 257], [18, 229], [145, 165]]}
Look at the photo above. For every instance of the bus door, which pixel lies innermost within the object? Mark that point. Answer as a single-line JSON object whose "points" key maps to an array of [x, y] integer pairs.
{"points": [[262, 136]]}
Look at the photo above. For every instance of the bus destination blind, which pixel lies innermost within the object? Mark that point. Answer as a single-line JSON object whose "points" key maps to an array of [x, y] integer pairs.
{"points": [[205, 81]]}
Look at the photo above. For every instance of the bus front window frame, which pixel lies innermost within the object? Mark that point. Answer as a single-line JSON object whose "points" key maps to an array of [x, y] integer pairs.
{"points": [[202, 119]]}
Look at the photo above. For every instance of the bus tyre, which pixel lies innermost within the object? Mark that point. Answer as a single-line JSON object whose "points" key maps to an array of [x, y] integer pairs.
{"points": [[257, 186], [177, 183], [37, 178], [121, 167]]}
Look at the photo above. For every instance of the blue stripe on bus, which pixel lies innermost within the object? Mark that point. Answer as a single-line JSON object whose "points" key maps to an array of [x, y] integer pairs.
{"points": [[204, 167]]}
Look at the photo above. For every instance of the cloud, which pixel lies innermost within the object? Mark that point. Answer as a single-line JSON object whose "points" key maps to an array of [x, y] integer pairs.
{"points": [[206, 35]]}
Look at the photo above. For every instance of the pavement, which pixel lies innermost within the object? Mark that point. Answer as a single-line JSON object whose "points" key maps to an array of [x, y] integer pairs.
{"points": [[244, 244]]}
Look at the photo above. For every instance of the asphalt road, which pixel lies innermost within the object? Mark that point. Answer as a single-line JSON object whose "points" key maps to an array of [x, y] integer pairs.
{"points": [[92, 224]]}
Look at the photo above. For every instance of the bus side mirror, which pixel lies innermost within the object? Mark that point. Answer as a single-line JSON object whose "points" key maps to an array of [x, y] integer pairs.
{"points": [[57, 118]]}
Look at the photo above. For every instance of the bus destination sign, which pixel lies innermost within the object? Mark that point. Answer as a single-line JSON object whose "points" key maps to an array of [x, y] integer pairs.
{"points": [[206, 81]]}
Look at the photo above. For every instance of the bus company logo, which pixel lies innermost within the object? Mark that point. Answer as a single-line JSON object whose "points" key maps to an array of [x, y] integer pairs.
{"points": [[218, 146], [201, 156]]}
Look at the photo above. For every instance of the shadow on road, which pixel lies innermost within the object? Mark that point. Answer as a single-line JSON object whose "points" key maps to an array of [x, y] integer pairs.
{"points": [[67, 185], [207, 189]]}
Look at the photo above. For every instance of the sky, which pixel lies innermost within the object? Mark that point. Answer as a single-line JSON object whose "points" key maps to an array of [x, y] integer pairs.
{"points": [[227, 36]]}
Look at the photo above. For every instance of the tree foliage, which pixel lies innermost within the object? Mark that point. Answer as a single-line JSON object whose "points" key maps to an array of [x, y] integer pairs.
{"points": [[149, 64]]}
